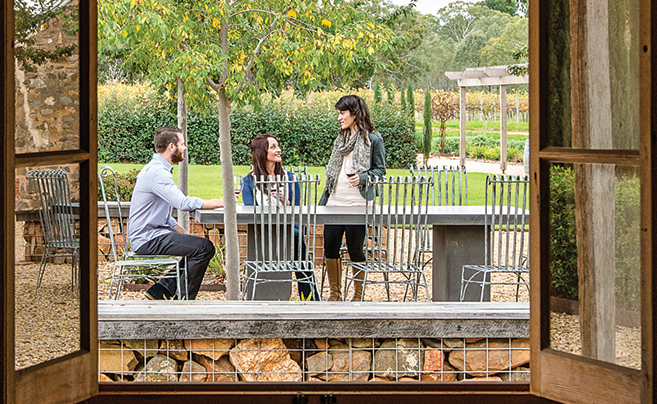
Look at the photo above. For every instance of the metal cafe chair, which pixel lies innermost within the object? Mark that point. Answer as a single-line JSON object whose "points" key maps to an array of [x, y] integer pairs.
{"points": [[57, 220], [128, 266], [450, 187], [450, 184], [506, 226], [398, 217], [283, 244]]}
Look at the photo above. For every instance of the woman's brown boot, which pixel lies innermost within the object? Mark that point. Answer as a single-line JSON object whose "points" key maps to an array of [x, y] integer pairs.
{"points": [[334, 273], [359, 277]]}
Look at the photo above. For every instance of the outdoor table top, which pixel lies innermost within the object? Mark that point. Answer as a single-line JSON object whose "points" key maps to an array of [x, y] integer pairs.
{"points": [[437, 215]]}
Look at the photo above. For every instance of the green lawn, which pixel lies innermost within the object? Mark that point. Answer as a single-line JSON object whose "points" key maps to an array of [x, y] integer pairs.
{"points": [[205, 180], [476, 126]]}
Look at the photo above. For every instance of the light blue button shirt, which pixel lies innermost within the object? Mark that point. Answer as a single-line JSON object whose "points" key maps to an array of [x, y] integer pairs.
{"points": [[153, 199]]}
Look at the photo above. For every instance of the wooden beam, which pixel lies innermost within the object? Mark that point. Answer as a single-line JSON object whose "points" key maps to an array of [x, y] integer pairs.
{"points": [[493, 81], [203, 319]]}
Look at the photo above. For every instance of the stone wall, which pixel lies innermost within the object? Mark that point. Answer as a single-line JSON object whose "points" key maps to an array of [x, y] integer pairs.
{"points": [[319, 359], [48, 104]]}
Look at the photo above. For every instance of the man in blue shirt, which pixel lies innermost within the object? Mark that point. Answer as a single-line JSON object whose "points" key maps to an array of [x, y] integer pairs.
{"points": [[151, 228]]}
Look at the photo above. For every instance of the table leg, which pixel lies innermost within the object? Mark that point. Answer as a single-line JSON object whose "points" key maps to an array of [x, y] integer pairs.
{"points": [[454, 246]]}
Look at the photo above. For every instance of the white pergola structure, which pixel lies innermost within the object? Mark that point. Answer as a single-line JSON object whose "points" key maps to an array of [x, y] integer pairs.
{"points": [[485, 76]]}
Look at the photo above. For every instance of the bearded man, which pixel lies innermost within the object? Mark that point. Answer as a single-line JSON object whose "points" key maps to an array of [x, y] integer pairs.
{"points": [[152, 230]]}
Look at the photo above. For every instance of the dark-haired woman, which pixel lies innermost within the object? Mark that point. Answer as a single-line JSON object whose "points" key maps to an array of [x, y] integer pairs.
{"points": [[358, 153], [267, 161]]}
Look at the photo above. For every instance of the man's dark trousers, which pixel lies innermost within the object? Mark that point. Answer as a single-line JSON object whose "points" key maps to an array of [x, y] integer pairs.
{"points": [[199, 252]]}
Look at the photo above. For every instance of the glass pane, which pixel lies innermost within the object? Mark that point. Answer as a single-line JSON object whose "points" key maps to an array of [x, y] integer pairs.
{"points": [[47, 76], [595, 262], [594, 100], [47, 252]]}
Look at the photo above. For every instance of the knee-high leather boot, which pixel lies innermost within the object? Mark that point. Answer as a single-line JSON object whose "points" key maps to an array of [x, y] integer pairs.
{"points": [[334, 273], [358, 286]]}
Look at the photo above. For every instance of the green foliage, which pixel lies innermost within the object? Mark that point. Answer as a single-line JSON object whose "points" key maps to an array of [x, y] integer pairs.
{"points": [[125, 181], [398, 136], [563, 233], [410, 96], [402, 101], [218, 263], [269, 44], [391, 93], [33, 16], [377, 92], [428, 132], [486, 148], [628, 243], [504, 6], [127, 120]]}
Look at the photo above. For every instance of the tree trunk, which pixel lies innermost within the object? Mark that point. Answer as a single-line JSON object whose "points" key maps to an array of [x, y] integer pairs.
{"points": [[183, 167], [226, 155]]}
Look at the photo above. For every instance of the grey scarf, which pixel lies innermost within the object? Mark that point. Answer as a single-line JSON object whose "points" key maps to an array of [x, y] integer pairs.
{"points": [[341, 147]]}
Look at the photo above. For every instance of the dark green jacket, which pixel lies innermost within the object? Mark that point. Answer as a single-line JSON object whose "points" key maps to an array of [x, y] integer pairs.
{"points": [[377, 167]]}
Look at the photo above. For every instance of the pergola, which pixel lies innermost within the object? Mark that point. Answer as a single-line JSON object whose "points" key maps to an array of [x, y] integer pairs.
{"points": [[485, 76]]}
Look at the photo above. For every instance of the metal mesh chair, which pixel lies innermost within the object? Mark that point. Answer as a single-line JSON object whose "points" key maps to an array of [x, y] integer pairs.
{"points": [[57, 220], [450, 187], [282, 245], [398, 217], [127, 265], [450, 184], [506, 226]]}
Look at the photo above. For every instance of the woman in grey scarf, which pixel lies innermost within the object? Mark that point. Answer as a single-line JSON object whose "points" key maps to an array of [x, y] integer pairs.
{"points": [[358, 153]]}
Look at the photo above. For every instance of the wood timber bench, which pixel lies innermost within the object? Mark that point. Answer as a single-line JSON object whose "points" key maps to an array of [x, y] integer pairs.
{"points": [[238, 319]]}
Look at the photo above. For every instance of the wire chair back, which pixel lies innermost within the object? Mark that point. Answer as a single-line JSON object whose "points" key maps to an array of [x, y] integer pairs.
{"points": [[127, 264], [55, 206], [285, 207], [505, 238], [57, 219], [450, 184], [397, 217], [107, 172], [505, 249], [274, 218]]}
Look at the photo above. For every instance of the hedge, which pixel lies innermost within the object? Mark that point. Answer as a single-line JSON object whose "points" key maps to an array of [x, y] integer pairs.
{"points": [[563, 237], [483, 147], [128, 118]]}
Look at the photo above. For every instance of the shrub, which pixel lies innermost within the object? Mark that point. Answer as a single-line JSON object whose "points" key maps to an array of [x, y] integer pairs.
{"points": [[628, 246], [305, 129], [125, 182], [563, 233]]}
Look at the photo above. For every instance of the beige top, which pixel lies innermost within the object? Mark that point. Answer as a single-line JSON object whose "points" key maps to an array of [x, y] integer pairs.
{"points": [[344, 194]]}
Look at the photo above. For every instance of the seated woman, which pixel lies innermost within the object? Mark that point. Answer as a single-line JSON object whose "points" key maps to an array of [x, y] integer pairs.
{"points": [[266, 157]]}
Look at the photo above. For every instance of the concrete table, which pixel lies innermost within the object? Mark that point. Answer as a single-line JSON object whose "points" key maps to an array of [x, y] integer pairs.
{"points": [[458, 239]]}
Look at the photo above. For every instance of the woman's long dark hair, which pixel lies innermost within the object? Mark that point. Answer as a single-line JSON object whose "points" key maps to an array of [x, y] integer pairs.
{"points": [[259, 149], [358, 108]]}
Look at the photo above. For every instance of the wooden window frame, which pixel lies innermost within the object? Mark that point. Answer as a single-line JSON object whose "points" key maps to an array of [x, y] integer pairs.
{"points": [[73, 377], [552, 370], [54, 379]]}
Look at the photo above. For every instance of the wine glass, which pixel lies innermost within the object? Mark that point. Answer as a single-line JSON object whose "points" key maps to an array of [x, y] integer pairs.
{"points": [[350, 170], [238, 184]]}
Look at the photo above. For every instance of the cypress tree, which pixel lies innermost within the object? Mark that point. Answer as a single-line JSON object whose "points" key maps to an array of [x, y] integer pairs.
{"points": [[402, 100], [410, 97], [410, 101], [428, 132], [391, 93], [377, 93]]}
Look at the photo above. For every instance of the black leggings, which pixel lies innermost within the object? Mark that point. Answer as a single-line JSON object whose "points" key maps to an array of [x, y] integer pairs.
{"points": [[355, 235]]}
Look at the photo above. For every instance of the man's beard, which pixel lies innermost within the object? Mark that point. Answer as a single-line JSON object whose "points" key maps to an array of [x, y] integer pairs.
{"points": [[177, 156]]}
